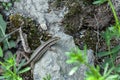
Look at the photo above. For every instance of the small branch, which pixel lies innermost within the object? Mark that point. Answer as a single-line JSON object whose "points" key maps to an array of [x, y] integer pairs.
{"points": [[97, 33], [24, 41], [9, 34]]}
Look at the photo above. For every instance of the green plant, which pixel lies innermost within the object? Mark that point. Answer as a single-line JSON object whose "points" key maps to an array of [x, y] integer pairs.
{"points": [[117, 22], [1, 52], [48, 77], [79, 57], [110, 72], [112, 32], [10, 70], [94, 74], [7, 5], [6, 44]]}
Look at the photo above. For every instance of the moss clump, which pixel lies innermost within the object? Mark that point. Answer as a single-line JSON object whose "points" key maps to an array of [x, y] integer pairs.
{"points": [[46, 36], [16, 20], [33, 34], [58, 3], [29, 27], [72, 20], [90, 39]]}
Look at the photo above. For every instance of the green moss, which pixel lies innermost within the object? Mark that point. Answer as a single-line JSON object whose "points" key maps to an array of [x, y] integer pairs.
{"points": [[71, 21], [76, 11], [90, 39], [58, 3], [16, 20], [30, 28], [32, 32]]}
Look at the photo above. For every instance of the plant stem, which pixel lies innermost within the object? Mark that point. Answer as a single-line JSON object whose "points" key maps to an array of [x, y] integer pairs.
{"points": [[114, 13], [4, 36], [9, 35], [111, 56]]}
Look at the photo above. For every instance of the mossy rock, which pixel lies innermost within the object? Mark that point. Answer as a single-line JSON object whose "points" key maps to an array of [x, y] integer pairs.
{"points": [[29, 27]]}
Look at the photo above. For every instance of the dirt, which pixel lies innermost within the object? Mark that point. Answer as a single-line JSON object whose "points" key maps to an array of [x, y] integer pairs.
{"points": [[86, 17], [27, 76], [94, 19]]}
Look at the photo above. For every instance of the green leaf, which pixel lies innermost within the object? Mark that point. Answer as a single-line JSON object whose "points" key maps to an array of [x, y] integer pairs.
{"points": [[6, 8], [2, 31], [9, 4], [12, 44], [70, 61], [2, 24], [109, 61], [73, 70], [114, 50], [4, 4], [102, 54], [117, 68], [47, 77], [99, 1], [24, 70], [106, 69], [112, 77], [20, 65], [1, 52], [2, 77]]}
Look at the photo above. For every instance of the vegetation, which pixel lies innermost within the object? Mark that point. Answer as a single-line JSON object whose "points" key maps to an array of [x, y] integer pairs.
{"points": [[111, 71], [79, 57], [8, 5], [10, 70], [6, 43], [47, 77], [110, 33]]}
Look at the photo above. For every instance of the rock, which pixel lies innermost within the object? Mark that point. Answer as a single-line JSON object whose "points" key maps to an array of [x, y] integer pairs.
{"points": [[116, 4], [53, 62], [43, 26], [5, 0]]}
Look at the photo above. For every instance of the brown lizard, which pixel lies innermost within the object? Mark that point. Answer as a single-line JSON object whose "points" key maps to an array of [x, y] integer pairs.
{"points": [[40, 51]]}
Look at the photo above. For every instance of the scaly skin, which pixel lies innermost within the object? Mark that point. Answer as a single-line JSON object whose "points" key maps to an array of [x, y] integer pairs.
{"points": [[40, 51]]}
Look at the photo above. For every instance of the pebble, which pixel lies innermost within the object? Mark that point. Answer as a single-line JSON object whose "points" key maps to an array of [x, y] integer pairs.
{"points": [[43, 26]]}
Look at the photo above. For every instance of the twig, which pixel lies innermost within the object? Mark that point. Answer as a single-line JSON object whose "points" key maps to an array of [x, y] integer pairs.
{"points": [[9, 34], [24, 42], [97, 33]]}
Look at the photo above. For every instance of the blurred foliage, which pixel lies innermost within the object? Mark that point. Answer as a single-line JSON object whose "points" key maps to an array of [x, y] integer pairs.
{"points": [[10, 69], [6, 44]]}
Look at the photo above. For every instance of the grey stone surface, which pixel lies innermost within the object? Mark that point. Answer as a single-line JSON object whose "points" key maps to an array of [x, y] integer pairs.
{"points": [[4, 0], [116, 4], [53, 62]]}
